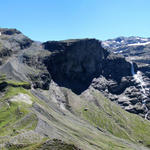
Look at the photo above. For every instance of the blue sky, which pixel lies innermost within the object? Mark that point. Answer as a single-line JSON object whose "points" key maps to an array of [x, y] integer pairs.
{"points": [[44, 20]]}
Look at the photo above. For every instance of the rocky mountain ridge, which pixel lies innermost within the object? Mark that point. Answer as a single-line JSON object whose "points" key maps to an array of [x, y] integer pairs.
{"points": [[136, 49], [55, 95]]}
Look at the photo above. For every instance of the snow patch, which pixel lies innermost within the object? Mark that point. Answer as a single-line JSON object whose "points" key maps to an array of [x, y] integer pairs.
{"points": [[62, 106], [144, 39], [118, 52], [22, 98], [139, 44], [105, 44]]}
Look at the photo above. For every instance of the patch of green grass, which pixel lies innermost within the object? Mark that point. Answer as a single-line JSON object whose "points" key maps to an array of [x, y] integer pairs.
{"points": [[24, 84], [15, 116], [9, 114], [12, 91], [18, 84], [28, 122]]}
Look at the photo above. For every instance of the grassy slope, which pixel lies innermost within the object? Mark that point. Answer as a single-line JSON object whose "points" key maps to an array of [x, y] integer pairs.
{"points": [[74, 130], [12, 114], [113, 122], [104, 114]]}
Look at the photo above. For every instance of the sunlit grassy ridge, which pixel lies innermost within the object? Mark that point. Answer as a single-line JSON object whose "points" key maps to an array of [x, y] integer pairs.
{"points": [[12, 114], [11, 119]]}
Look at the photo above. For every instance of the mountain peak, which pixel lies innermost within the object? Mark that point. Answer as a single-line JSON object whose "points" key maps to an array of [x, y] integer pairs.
{"points": [[7, 31]]}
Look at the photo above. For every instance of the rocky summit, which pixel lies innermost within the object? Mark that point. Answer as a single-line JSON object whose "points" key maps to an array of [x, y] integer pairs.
{"points": [[71, 95]]}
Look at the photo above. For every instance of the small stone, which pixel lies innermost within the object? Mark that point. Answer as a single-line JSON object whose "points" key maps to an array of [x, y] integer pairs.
{"points": [[85, 109]]}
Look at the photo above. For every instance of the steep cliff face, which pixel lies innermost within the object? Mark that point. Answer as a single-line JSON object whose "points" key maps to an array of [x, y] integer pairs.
{"points": [[75, 63], [115, 67]]}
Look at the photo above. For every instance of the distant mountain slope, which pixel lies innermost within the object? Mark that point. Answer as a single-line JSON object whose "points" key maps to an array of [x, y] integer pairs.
{"points": [[121, 42], [54, 96], [134, 48]]}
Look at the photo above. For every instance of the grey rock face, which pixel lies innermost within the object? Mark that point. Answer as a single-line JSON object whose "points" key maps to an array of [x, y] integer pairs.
{"points": [[127, 93], [12, 41], [42, 78], [135, 49]]}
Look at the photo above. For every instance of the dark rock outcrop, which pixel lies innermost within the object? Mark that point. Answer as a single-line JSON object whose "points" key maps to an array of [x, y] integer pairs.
{"points": [[57, 144], [74, 63], [41, 80], [7, 31], [115, 67]]}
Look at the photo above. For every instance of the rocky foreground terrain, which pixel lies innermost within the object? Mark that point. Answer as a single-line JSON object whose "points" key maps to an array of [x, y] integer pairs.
{"points": [[70, 95]]}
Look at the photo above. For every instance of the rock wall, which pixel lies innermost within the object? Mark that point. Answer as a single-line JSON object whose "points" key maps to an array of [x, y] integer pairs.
{"points": [[74, 63]]}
